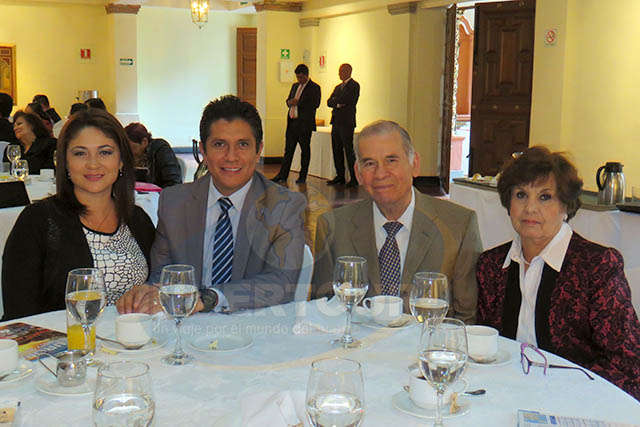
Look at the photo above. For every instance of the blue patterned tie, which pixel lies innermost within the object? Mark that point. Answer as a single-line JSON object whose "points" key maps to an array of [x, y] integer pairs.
{"points": [[389, 260], [222, 245]]}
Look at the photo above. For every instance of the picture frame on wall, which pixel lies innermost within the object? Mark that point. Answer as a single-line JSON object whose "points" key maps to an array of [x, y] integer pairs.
{"points": [[8, 71]]}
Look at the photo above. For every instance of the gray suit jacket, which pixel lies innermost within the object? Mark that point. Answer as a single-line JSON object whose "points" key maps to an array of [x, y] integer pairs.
{"points": [[444, 238], [267, 252]]}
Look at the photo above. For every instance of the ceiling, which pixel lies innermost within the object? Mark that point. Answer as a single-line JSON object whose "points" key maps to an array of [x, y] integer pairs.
{"points": [[214, 4]]}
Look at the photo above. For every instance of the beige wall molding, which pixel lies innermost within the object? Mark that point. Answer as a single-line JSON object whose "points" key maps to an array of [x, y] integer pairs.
{"points": [[309, 22], [279, 6], [401, 8], [122, 8]]}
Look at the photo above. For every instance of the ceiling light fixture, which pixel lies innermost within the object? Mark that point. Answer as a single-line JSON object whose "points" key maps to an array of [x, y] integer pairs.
{"points": [[200, 12]]}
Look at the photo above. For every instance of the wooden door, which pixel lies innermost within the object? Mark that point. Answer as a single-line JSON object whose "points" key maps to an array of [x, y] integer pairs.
{"points": [[501, 88], [246, 42], [447, 100]]}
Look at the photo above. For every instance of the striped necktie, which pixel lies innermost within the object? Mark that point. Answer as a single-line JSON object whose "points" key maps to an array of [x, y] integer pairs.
{"points": [[389, 260], [222, 245]]}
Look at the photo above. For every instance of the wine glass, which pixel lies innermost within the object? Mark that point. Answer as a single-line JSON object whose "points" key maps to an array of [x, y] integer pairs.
{"points": [[85, 300], [429, 297], [335, 393], [21, 169], [443, 357], [13, 154], [123, 395], [350, 285], [178, 298]]}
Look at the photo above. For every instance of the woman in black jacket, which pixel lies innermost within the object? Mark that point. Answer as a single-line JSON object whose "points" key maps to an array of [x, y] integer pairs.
{"points": [[36, 145], [90, 222]]}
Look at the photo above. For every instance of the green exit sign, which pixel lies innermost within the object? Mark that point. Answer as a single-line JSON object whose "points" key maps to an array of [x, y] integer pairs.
{"points": [[285, 54], [126, 61]]}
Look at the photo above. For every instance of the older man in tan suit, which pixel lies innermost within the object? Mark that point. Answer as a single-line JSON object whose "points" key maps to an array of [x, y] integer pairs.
{"points": [[400, 231]]}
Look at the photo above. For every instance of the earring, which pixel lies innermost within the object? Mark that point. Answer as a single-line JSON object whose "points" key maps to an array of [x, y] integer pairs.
{"points": [[120, 173], [565, 217]]}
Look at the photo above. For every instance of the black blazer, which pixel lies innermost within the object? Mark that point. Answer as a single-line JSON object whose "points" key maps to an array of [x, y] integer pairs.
{"points": [[6, 132], [47, 242], [346, 96], [307, 104]]}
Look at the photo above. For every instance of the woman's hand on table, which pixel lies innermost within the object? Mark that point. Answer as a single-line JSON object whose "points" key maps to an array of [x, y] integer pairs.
{"points": [[144, 299]]}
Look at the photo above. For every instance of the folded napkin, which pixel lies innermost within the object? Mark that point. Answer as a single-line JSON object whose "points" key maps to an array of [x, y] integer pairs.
{"points": [[274, 409], [147, 186], [319, 315]]}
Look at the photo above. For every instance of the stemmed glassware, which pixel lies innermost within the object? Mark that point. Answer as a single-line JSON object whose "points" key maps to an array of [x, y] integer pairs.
{"points": [[429, 298], [123, 395], [443, 357], [21, 169], [13, 154], [85, 300], [178, 298], [335, 393], [350, 285]]}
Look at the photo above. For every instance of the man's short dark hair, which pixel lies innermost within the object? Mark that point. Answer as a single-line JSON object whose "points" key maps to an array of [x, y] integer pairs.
{"points": [[229, 108], [6, 104], [302, 69], [96, 103], [77, 107], [42, 100]]}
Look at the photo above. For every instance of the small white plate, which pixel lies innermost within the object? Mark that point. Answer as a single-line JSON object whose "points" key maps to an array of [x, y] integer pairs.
{"points": [[403, 403], [24, 370], [502, 358], [48, 384], [154, 344], [362, 317], [222, 343]]}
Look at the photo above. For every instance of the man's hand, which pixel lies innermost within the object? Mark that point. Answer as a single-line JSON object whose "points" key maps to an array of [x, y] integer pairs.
{"points": [[139, 299], [292, 102]]}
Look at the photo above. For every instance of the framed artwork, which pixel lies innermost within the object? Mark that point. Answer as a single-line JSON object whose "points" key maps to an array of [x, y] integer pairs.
{"points": [[8, 71]]}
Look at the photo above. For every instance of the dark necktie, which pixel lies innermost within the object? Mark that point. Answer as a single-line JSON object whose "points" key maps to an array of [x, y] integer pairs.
{"points": [[222, 262], [389, 260]]}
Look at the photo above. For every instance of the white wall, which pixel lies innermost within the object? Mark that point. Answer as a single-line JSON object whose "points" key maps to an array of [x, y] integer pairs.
{"points": [[181, 68]]}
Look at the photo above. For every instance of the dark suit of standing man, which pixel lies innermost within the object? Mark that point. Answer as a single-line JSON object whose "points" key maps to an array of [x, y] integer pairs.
{"points": [[303, 100], [343, 100]]}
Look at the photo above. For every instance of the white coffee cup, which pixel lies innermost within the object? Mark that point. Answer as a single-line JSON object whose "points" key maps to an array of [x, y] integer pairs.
{"points": [[8, 356], [134, 328], [482, 343], [46, 174], [384, 309], [424, 395]]}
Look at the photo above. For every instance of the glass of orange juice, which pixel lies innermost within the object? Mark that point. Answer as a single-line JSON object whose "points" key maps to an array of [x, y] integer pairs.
{"points": [[75, 336]]}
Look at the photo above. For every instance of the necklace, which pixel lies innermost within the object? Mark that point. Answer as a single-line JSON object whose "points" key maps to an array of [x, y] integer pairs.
{"points": [[92, 225]]}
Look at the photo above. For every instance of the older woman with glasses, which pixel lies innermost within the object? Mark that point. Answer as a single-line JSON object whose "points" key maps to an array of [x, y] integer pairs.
{"points": [[550, 286]]}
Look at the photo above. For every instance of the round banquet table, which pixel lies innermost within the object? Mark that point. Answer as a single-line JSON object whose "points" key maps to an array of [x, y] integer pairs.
{"points": [[210, 392]]}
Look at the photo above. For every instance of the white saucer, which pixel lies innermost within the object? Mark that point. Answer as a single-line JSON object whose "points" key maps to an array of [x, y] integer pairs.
{"points": [[403, 403], [48, 384], [222, 343], [154, 344], [362, 317], [503, 357], [23, 370]]}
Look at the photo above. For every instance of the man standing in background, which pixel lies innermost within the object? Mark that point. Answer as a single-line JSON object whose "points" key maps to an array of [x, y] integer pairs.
{"points": [[343, 100], [303, 100]]}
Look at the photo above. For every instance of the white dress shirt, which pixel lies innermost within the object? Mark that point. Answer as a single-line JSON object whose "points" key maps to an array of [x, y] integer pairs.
{"points": [[293, 110], [552, 254], [402, 236], [213, 213]]}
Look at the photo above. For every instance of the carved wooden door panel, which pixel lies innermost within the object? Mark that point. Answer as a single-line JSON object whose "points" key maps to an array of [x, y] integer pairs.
{"points": [[246, 44], [501, 89]]}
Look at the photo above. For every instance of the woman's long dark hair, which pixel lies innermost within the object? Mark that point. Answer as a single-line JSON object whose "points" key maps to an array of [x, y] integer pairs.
{"points": [[122, 190]]}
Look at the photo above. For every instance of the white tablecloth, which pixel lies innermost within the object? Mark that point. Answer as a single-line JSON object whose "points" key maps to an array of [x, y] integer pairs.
{"points": [[614, 228], [209, 392], [321, 163], [39, 190]]}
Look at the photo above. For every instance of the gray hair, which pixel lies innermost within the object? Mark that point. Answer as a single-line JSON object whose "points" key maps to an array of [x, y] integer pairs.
{"points": [[382, 127]]}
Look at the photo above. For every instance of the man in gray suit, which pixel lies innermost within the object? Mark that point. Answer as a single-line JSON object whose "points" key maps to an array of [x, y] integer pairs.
{"points": [[242, 233], [401, 231]]}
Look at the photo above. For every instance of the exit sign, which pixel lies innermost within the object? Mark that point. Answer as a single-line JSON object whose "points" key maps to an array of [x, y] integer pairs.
{"points": [[285, 54], [126, 61]]}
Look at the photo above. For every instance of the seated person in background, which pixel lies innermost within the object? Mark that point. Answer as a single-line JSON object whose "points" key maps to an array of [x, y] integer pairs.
{"points": [[36, 109], [242, 233], [90, 222], [551, 287], [50, 112], [96, 103], [35, 143], [400, 228], [78, 106], [154, 157], [6, 128]]}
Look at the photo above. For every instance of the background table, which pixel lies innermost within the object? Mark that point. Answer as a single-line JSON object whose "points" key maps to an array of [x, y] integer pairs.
{"points": [[612, 228], [321, 163], [39, 190], [210, 391]]}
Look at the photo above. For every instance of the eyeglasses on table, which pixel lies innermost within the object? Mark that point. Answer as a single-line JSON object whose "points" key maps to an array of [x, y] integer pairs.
{"points": [[527, 363]]}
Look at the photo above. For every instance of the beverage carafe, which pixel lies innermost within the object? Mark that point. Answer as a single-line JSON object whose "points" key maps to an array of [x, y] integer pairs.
{"points": [[610, 180]]}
